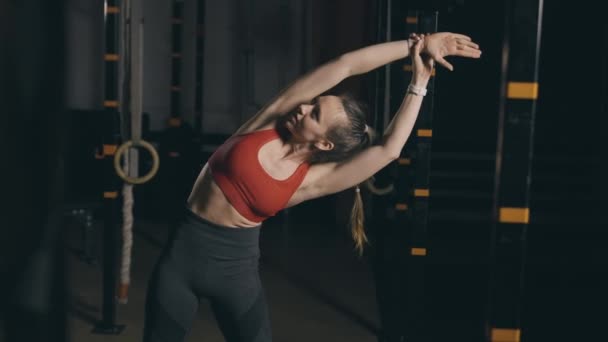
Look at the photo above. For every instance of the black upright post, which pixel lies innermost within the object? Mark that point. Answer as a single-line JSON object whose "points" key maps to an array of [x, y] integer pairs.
{"points": [[111, 204], [519, 92], [415, 164], [32, 145], [199, 66], [175, 138], [389, 234], [177, 23], [604, 115], [401, 259]]}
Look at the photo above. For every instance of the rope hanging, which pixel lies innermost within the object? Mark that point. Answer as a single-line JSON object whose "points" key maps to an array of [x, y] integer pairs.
{"points": [[127, 188], [369, 184], [127, 243], [132, 97]]}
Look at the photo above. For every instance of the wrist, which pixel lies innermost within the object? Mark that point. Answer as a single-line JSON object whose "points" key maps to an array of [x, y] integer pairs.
{"points": [[409, 43], [419, 82], [416, 90]]}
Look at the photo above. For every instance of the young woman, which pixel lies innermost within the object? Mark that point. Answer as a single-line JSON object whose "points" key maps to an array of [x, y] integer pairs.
{"points": [[299, 147]]}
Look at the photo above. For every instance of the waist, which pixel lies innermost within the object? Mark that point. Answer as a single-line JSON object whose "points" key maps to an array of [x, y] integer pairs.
{"points": [[216, 240], [209, 201]]}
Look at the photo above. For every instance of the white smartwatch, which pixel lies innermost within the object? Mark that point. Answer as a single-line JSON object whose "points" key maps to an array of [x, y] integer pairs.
{"points": [[416, 90]]}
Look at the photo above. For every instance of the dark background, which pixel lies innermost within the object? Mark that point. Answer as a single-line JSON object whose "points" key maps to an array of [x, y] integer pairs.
{"points": [[565, 273]]}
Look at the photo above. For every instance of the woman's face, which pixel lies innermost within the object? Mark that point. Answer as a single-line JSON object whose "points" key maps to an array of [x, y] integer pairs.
{"points": [[310, 122]]}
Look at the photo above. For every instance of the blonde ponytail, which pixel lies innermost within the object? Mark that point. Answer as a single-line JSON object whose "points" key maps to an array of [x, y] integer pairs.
{"points": [[357, 219]]}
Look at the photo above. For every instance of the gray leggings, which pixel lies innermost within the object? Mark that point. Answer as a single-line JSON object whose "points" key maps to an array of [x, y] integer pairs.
{"points": [[205, 260]]}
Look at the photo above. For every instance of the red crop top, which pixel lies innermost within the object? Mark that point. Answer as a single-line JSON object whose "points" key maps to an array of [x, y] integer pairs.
{"points": [[247, 186]]}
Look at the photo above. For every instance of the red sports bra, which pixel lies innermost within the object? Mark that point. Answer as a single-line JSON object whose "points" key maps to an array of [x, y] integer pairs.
{"points": [[252, 192]]}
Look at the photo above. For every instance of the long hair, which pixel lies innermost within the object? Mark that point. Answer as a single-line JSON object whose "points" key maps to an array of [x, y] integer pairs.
{"points": [[348, 140], [357, 214]]}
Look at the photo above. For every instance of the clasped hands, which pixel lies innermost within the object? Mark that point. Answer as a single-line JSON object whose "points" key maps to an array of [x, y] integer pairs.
{"points": [[427, 49], [443, 44]]}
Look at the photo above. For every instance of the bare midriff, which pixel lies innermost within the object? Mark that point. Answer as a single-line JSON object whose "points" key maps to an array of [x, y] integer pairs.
{"points": [[208, 201]]}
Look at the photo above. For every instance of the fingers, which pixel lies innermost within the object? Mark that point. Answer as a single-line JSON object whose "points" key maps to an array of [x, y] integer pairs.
{"points": [[461, 36], [457, 45], [445, 63], [418, 44], [468, 52], [466, 48], [416, 36], [468, 43], [459, 39]]}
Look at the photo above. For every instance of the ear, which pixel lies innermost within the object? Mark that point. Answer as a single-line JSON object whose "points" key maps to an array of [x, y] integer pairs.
{"points": [[324, 145]]}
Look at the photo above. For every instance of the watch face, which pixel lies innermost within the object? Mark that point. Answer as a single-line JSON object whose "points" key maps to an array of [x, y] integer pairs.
{"points": [[416, 90]]}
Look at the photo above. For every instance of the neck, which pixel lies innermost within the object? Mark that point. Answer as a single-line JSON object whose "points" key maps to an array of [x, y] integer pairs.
{"points": [[296, 152], [291, 150]]}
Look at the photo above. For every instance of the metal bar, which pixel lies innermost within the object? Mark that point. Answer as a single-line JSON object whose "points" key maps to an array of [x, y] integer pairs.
{"points": [[199, 66], [112, 134], [511, 214]]}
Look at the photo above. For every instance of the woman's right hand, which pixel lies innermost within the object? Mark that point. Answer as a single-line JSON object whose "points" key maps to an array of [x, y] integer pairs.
{"points": [[422, 65], [443, 44]]}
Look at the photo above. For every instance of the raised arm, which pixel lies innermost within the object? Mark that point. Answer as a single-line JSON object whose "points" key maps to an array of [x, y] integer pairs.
{"points": [[357, 62], [324, 179]]}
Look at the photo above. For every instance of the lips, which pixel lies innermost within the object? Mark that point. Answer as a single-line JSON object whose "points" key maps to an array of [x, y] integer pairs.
{"points": [[290, 124]]}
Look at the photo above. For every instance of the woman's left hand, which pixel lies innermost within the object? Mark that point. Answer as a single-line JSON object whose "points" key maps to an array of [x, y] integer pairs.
{"points": [[422, 64], [443, 44]]}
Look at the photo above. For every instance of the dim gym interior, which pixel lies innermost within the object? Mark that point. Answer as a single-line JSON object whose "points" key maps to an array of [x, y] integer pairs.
{"points": [[134, 194]]}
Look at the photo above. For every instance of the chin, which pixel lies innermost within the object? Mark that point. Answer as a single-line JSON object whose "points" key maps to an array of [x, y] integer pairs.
{"points": [[285, 128], [293, 132], [290, 126]]}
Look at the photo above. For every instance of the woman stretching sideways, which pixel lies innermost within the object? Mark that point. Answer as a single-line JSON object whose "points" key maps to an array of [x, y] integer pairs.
{"points": [[298, 147]]}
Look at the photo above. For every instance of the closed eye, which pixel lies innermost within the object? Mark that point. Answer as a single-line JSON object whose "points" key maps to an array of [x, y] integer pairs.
{"points": [[315, 112]]}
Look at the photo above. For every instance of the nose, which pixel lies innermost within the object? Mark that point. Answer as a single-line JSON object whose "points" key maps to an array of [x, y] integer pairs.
{"points": [[304, 109]]}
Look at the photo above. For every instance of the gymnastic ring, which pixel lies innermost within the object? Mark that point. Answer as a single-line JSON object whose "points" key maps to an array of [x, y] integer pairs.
{"points": [[124, 147], [369, 183]]}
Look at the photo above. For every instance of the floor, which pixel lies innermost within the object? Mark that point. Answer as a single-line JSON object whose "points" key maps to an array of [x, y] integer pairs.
{"points": [[317, 288]]}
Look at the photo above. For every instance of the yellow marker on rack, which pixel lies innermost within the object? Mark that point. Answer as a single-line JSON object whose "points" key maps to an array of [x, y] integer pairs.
{"points": [[110, 194], [404, 161], [425, 133], [110, 104], [417, 251], [514, 215], [401, 206], [522, 90], [111, 57], [506, 335], [109, 150], [422, 192]]}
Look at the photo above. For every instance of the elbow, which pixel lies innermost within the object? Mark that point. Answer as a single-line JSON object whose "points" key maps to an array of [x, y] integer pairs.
{"points": [[345, 65], [392, 154], [390, 150]]}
